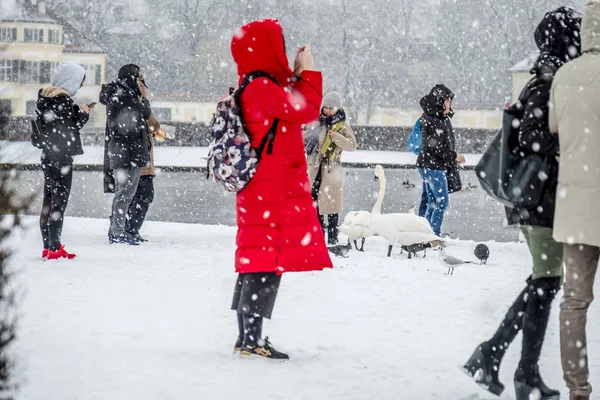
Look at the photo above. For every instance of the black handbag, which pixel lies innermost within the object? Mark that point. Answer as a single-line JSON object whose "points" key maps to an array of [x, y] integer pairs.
{"points": [[509, 175], [38, 138], [453, 178]]}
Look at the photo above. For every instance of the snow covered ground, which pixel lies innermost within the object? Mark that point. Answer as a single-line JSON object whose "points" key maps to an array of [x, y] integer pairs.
{"points": [[153, 322], [173, 156]]}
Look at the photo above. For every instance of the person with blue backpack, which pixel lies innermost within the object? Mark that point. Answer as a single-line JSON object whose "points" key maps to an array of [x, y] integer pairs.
{"points": [[414, 146], [437, 157]]}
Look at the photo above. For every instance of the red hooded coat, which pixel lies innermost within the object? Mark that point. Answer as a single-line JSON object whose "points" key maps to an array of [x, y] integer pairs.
{"points": [[278, 227]]}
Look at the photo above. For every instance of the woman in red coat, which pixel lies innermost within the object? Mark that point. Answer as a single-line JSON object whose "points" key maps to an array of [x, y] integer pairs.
{"points": [[278, 227]]}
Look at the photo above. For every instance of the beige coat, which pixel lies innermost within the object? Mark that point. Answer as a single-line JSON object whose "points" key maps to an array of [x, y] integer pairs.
{"points": [[331, 192], [575, 116], [153, 127]]}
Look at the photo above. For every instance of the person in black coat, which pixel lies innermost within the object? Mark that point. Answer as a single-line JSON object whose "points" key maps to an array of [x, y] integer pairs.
{"points": [[558, 39], [60, 120], [438, 152], [126, 144]]}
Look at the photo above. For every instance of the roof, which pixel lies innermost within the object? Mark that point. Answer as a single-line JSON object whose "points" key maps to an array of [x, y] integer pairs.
{"points": [[15, 11], [526, 64]]}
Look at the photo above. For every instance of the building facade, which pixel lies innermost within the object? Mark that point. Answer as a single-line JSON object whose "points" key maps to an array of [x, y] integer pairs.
{"points": [[32, 45]]}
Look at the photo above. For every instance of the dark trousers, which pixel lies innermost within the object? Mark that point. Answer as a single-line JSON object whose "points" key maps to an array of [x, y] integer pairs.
{"points": [[57, 189], [332, 219], [144, 195], [424, 201], [332, 227], [255, 294]]}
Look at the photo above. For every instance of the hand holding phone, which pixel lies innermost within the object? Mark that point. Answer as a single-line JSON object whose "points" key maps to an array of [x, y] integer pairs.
{"points": [[92, 104]]}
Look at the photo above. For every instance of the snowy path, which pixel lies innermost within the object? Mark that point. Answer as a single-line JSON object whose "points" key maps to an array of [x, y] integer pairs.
{"points": [[152, 322]]}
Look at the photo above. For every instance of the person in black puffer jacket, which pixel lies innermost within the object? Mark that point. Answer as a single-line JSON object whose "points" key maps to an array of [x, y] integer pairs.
{"points": [[558, 39], [126, 147], [60, 120], [438, 152]]}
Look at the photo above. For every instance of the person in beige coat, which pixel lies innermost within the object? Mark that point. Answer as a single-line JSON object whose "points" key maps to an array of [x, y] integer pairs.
{"points": [[575, 116], [324, 162], [144, 194]]}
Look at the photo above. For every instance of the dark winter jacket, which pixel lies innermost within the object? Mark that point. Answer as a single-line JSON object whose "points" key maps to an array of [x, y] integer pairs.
{"points": [[438, 150], [557, 37], [126, 141], [62, 120]]}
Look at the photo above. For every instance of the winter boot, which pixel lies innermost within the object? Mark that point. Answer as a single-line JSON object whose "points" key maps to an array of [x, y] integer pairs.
{"points": [[45, 253], [138, 238], [123, 238], [528, 381], [484, 364], [529, 384]]}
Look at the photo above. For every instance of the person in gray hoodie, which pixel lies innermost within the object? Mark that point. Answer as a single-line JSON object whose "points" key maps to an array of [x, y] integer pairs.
{"points": [[60, 120]]}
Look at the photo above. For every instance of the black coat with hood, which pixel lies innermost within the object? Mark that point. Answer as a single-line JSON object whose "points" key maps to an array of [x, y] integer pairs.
{"points": [[438, 149], [61, 118], [557, 37], [126, 141]]}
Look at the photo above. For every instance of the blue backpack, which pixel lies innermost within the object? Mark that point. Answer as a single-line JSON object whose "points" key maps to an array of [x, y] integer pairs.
{"points": [[232, 160], [415, 139]]}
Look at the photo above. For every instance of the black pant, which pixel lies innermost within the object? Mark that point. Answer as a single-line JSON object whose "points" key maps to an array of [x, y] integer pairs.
{"points": [[254, 294], [57, 188], [136, 214], [332, 219], [332, 227]]}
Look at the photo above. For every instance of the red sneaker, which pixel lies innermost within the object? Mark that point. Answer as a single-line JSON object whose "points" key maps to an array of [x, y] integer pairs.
{"points": [[60, 253], [69, 256], [55, 255], [45, 253]]}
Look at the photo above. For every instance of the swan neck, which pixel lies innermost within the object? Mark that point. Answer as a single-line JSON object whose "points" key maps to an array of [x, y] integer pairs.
{"points": [[377, 206]]}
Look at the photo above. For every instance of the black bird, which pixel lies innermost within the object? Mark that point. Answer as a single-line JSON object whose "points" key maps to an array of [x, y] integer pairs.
{"points": [[413, 249], [482, 252], [340, 250]]}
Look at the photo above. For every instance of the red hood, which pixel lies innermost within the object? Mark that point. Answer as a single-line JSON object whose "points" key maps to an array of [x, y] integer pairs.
{"points": [[258, 46]]}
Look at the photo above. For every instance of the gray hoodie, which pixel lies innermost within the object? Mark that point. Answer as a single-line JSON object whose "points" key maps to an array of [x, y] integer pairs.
{"points": [[68, 76]]}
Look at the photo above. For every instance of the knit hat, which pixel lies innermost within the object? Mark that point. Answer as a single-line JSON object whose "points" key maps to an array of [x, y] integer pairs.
{"points": [[332, 100]]}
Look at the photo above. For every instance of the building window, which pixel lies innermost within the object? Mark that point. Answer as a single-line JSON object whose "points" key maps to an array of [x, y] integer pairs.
{"points": [[8, 34], [52, 69], [53, 36], [30, 107], [162, 114], [30, 72], [9, 71], [90, 74], [5, 107], [34, 35]]}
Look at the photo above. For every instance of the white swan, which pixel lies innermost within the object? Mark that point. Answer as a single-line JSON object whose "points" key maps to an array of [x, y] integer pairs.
{"points": [[357, 224], [403, 229]]}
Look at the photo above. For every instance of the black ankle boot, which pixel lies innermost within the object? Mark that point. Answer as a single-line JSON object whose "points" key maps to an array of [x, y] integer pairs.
{"points": [[527, 377], [484, 364], [529, 385]]}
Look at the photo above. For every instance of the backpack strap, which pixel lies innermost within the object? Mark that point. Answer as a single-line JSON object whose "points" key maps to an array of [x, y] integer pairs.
{"points": [[270, 136]]}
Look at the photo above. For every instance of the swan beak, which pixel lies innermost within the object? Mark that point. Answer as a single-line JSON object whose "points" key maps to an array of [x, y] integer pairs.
{"points": [[376, 179]]}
